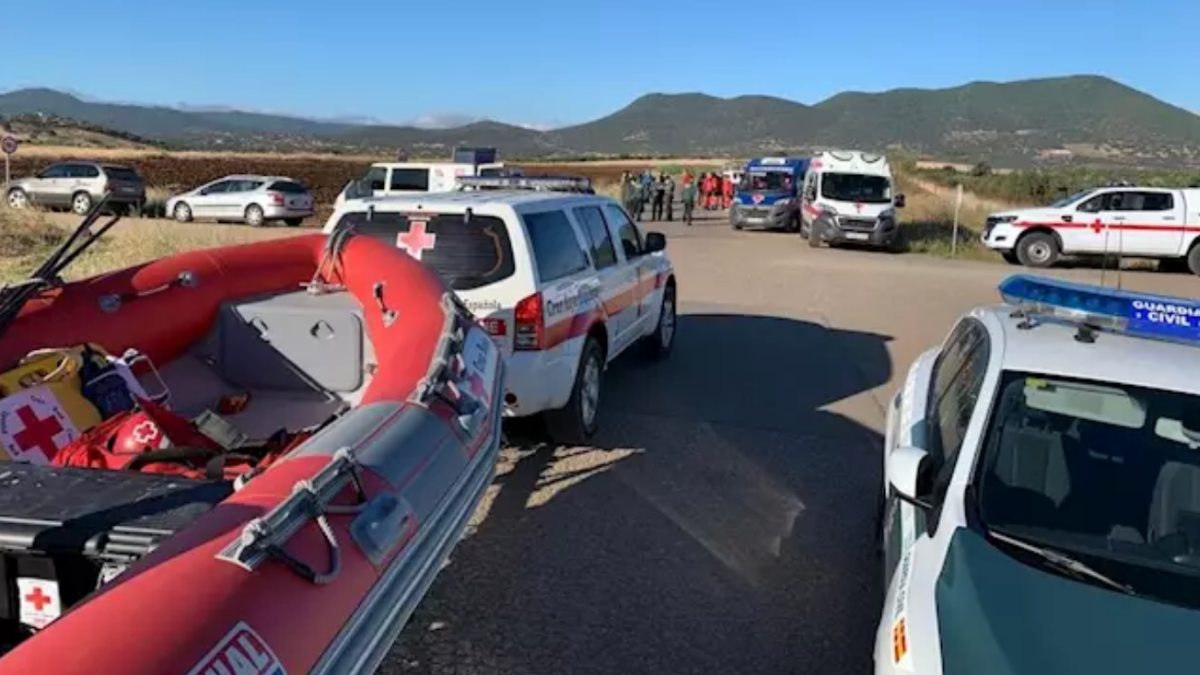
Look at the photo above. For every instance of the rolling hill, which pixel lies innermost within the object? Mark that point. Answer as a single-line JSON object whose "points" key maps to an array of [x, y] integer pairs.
{"points": [[1081, 118]]}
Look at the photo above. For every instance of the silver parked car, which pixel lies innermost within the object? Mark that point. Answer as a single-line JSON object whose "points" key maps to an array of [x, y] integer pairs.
{"points": [[79, 185], [253, 200]]}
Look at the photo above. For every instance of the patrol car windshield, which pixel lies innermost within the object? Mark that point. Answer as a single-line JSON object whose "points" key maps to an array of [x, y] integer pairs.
{"points": [[466, 253], [853, 187], [1070, 199], [767, 181], [1106, 474]]}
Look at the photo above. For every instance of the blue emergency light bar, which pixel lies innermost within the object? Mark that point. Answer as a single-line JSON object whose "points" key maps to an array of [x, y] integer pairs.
{"points": [[1142, 314]]}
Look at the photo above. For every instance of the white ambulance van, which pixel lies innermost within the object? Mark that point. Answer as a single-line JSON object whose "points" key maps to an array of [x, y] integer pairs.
{"points": [[848, 197]]}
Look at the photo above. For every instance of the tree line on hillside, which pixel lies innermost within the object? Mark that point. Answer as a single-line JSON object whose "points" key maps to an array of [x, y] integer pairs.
{"points": [[1043, 186]]}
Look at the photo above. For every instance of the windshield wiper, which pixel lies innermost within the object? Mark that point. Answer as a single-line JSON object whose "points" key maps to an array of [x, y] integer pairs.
{"points": [[1064, 562]]}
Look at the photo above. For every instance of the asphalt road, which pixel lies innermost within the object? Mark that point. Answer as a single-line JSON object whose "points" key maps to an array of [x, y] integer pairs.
{"points": [[722, 523]]}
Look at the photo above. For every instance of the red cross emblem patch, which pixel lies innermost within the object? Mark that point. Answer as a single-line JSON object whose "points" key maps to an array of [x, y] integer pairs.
{"points": [[34, 426], [417, 240]]}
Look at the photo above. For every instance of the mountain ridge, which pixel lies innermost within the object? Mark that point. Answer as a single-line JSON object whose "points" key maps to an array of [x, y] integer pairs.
{"points": [[1086, 117]]}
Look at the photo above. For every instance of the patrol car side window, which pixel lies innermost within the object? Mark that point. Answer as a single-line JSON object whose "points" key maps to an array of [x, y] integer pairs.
{"points": [[1094, 205], [410, 179], [556, 250], [631, 241], [603, 253], [376, 176], [1157, 201], [957, 382]]}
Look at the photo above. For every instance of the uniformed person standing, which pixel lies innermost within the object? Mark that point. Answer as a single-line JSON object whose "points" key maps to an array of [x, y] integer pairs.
{"points": [[689, 202], [627, 193], [660, 192], [670, 197]]}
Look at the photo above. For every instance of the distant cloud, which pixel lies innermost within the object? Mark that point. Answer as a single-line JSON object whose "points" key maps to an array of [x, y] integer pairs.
{"points": [[443, 120]]}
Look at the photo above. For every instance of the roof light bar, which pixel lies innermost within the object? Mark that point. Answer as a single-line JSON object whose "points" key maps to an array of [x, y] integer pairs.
{"points": [[550, 183], [1160, 317]]}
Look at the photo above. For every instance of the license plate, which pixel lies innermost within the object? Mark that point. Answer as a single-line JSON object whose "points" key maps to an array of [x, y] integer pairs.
{"points": [[858, 236]]}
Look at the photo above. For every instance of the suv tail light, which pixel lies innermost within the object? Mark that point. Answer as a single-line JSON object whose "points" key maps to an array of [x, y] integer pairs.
{"points": [[276, 198], [529, 325]]}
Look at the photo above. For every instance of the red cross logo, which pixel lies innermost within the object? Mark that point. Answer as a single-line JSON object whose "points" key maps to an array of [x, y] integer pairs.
{"points": [[38, 599], [416, 240], [38, 432], [1097, 226], [757, 199]]}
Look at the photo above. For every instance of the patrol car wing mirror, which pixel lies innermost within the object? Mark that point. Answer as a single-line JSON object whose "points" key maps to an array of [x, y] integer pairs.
{"points": [[899, 201], [905, 469], [655, 242]]}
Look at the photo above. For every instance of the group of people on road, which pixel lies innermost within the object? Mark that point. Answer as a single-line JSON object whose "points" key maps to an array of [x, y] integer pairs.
{"points": [[716, 191], [710, 190]]}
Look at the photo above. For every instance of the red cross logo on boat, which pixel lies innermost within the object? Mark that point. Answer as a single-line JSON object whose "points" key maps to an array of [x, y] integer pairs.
{"points": [[417, 240], [38, 599], [1097, 226], [38, 432]]}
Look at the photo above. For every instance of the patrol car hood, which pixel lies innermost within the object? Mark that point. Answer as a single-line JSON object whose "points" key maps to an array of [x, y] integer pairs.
{"points": [[998, 615], [1030, 215]]}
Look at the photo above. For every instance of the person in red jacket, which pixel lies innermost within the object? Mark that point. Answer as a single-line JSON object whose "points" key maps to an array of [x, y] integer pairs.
{"points": [[726, 192], [710, 191]]}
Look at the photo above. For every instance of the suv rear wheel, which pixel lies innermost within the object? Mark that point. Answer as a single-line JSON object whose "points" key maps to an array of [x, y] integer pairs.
{"points": [[575, 422], [1193, 259], [81, 203]]}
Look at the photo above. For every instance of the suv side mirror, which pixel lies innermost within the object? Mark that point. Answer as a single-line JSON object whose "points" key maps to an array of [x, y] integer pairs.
{"points": [[905, 468], [655, 242], [899, 201]]}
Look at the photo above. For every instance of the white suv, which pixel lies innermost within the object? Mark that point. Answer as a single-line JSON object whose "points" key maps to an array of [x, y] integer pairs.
{"points": [[563, 282]]}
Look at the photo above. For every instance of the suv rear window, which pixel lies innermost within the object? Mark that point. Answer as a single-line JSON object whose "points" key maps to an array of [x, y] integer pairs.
{"points": [[121, 173], [555, 247], [465, 255], [288, 186]]}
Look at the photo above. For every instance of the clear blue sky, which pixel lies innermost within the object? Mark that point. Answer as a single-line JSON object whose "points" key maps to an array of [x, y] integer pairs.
{"points": [[526, 61]]}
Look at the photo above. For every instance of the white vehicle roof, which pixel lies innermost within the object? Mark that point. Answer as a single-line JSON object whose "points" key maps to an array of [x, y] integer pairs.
{"points": [[250, 176], [458, 201], [1050, 348], [851, 161]]}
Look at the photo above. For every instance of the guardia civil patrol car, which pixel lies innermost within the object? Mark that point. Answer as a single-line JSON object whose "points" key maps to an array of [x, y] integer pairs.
{"points": [[1041, 502], [563, 280]]}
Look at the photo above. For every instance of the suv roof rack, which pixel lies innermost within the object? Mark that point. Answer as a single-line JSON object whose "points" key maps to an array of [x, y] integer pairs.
{"points": [[542, 183], [1092, 308]]}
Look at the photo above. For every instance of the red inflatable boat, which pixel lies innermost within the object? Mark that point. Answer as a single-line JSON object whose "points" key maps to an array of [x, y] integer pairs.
{"points": [[222, 558]]}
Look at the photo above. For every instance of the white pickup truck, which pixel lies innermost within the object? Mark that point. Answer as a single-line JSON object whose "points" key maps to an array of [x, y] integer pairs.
{"points": [[1134, 221]]}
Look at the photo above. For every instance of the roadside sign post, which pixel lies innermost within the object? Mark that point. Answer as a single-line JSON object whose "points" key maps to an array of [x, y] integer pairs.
{"points": [[958, 199], [9, 145]]}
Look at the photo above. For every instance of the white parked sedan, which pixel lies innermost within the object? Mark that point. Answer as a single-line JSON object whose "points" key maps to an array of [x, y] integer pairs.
{"points": [[253, 200]]}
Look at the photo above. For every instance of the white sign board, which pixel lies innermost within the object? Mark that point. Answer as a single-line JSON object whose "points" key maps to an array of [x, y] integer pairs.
{"points": [[9, 144]]}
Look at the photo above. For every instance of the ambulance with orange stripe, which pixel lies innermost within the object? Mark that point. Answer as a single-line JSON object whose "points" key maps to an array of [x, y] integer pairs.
{"points": [[1122, 220], [564, 282]]}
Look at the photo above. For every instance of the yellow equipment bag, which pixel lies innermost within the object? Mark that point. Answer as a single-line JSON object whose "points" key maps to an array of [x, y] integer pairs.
{"points": [[43, 407]]}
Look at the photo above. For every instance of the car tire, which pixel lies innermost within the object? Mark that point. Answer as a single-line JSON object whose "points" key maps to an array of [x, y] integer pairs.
{"points": [[182, 212], [735, 225], [814, 240], [254, 216], [658, 345], [17, 199], [81, 203], [293, 222], [1010, 258], [1038, 249], [574, 423], [793, 225], [1193, 259]]}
